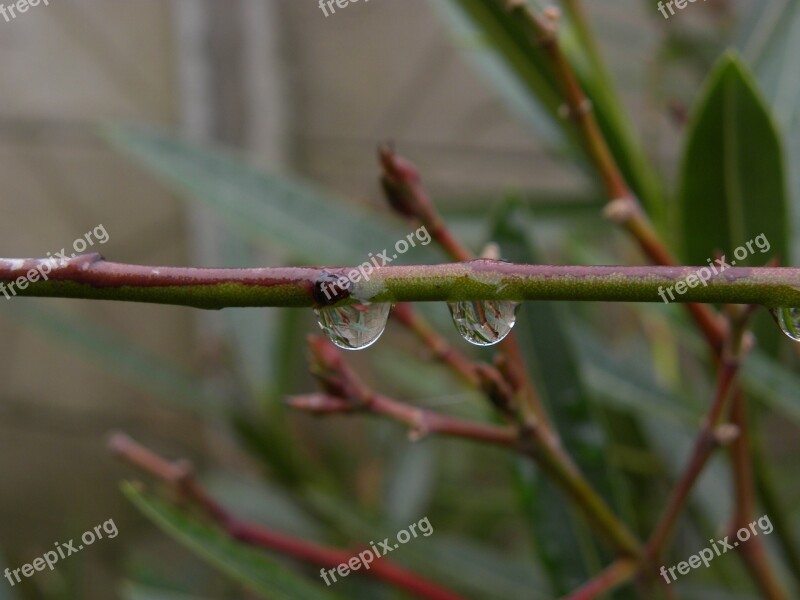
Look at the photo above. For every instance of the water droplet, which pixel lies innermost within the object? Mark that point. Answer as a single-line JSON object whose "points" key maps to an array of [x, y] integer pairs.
{"points": [[353, 327], [484, 323], [789, 320]]}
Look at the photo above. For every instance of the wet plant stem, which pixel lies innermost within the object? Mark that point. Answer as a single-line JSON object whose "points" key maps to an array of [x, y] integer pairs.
{"points": [[92, 277]]}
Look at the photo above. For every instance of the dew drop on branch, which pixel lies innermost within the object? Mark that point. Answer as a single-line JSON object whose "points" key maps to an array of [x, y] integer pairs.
{"points": [[789, 321], [353, 327], [484, 322]]}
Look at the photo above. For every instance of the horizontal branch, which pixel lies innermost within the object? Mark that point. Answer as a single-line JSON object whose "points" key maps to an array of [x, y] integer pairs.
{"points": [[91, 277]]}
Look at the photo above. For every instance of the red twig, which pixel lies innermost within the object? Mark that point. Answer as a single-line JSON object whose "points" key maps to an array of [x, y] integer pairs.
{"points": [[179, 475], [711, 436], [441, 349], [611, 578], [421, 422]]}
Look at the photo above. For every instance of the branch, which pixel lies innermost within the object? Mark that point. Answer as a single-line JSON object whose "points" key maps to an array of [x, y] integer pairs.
{"points": [[712, 436], [91, 277], [440, 348], [753, 553], [402, 185], [179, 476], [614, 576], [346, 393], [623, 207], [421, 423]]}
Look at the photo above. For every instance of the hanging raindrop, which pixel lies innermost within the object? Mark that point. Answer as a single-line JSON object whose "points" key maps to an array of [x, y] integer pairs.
{"points": [[484, 322], [789, 321], [353, 327]]}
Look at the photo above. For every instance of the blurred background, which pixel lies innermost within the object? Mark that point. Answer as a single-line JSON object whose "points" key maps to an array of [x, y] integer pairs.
{"points": [[300, 94]]}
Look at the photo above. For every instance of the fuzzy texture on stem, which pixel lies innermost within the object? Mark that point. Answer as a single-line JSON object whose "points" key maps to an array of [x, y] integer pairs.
{"points": [[92, 277]]}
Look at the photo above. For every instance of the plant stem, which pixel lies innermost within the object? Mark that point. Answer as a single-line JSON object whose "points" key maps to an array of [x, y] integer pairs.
{"points": [[774, 506], [612, 577], [441, 349], [710, 438], [623, 207], [91, 277], [402, 184], [753, 553], [179, 476], [421, 422], [346, 393]]}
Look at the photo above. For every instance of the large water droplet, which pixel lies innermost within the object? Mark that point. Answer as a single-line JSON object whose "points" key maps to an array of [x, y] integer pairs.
{"points": [[789, 320], [484, 323], [353, 327]]}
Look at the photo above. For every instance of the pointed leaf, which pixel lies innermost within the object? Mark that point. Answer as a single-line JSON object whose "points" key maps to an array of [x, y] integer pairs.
{"points": [[733, 185], [311, 225], [250, 567]]}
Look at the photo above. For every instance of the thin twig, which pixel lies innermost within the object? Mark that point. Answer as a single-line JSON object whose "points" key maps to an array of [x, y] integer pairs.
{"points": [[421, 422], [712, 435], [346, 393], [623, 207], [611, 578], [753, 553], [403, 188], [440, 348], [179, 475]]}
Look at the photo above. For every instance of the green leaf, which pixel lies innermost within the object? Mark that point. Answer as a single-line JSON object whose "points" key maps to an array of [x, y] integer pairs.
{"points": [[627, 385], [138, 591], [311, 225], [410, 483], [562, 538], [481, 571], [251, 568], [770, 43], [733, 182]]}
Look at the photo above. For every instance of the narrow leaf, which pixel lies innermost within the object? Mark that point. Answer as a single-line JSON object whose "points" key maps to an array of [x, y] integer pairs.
{"points": [[311, 225], [251, 568]]}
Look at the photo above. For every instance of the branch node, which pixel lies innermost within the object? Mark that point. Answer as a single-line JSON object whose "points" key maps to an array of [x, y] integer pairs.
{"points": [[726, 434], [566, 112], [620, 210]]}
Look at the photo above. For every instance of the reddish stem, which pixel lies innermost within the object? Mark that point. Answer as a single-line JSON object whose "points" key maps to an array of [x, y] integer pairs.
{"points": [[607, 581], [179, 475]]}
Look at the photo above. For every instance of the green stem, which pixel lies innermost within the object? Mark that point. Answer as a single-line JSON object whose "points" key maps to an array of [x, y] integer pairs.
{"points": [[91, 277]]}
